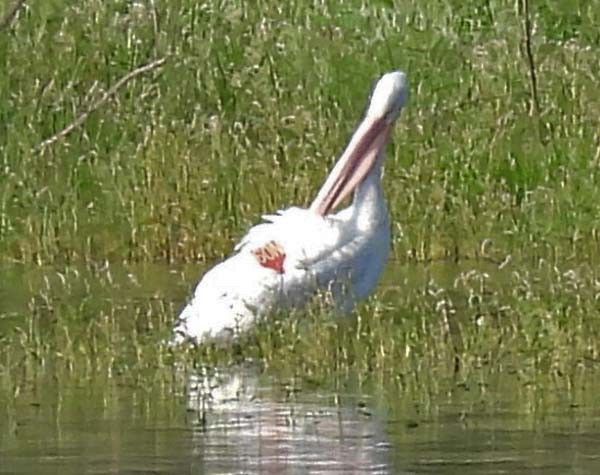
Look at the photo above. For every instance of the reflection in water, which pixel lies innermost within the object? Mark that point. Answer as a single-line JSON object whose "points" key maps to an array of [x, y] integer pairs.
{"points": [[242, 430]]}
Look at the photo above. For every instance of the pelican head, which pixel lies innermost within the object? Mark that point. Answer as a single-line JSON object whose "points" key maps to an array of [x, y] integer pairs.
{"points": [[389, 96], [367, 143]]}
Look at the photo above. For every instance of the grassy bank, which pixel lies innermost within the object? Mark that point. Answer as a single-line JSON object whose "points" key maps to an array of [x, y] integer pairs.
{"points": [[254, 103], [433, 333], [495, 163]]}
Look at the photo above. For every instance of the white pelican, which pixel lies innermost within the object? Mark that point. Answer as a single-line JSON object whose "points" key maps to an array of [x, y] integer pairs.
{"points": [[297, 252]]}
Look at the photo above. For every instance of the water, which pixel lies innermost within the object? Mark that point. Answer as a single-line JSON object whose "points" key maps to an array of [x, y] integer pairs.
{"points": [[105, 409]]}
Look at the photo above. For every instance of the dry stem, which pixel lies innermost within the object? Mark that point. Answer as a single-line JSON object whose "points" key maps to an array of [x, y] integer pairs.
{"points": [[10, 14], [96, 105]]}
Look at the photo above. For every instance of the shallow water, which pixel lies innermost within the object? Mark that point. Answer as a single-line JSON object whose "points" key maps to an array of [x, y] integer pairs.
{"points": [[60, 416]]}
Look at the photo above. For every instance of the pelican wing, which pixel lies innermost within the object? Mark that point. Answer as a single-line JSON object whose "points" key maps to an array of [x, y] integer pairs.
{"points": [[306, 237], [318, 252], [322, 252]]}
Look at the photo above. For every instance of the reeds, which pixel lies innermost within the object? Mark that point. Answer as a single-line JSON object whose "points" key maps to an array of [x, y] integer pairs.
{"points": [[248, 112]]}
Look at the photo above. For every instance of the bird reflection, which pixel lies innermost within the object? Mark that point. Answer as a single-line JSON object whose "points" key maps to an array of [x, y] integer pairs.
{"points": [[244, 424]]}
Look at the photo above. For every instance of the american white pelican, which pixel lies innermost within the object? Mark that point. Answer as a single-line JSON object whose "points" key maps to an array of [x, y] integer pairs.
{"points": [[297, 252]]}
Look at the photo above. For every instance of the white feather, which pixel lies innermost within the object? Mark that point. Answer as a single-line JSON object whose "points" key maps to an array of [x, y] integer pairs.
{"points": [[321, 253]]}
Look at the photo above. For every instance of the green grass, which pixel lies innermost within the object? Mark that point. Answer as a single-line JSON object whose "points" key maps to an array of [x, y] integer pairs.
{"points": [[525, 336], [252, 107], [255, 103]]}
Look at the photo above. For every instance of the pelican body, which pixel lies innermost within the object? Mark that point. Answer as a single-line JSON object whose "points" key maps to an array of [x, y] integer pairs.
{"points": [[298, 252]]}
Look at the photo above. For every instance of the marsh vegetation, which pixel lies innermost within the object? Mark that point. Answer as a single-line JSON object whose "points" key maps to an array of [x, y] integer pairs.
{"points": [[492, 182]]}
